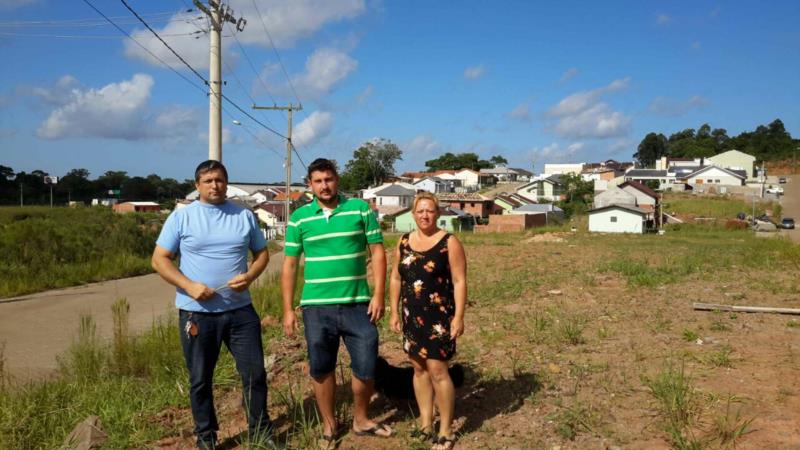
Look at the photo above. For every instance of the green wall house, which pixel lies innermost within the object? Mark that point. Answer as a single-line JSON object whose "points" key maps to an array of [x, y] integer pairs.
{"points": [[449, 220]]}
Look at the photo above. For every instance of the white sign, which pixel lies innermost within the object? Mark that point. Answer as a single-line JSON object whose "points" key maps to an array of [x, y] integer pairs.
{"points": [[50, 180]]}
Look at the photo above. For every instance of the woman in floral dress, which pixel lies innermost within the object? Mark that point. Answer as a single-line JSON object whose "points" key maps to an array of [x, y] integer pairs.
{"points": [[428, 293]]}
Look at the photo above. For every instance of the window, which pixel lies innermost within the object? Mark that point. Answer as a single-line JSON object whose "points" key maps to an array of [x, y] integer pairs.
{"points": [[716, 181], [442, 222], [613, 219], [709, 181]]}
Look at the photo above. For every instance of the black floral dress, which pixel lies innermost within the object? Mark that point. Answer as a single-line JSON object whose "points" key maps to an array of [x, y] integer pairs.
{"points": [[428, 305]]}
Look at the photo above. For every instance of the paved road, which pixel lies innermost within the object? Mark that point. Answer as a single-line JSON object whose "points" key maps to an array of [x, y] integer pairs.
{"points": [[790, 202], [37, 328]]}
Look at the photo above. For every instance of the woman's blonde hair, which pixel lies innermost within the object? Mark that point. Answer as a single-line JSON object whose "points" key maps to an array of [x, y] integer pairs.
{"points": [[426, 196]]}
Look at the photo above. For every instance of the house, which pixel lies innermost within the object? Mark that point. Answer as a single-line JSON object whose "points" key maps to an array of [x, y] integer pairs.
{"points": [[434, 185], [717, 176], [507, 174], [470, 202], [395, 195], [389, 212], [450, 219], [645, 197], [619, 219], [369, 193], [128, 207], [504, 203], [270, 213], [735, 160], [543, 189], [550, 212]]}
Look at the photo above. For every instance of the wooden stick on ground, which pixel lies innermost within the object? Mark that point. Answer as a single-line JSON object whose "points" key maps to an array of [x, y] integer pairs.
{"points": [[752, 309]]}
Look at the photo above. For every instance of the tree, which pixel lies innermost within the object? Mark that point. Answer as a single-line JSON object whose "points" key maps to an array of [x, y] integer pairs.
{"points": [[372, 163], [450, 161], [652, 147], [75, 186], [578, 194], [498, 160]]}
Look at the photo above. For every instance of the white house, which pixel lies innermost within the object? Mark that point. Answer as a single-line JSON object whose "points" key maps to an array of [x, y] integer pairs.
{"points": [[614, 196], [469, 178], [542, 189], [434, 185], [266, 217], [645, 197], [511, 174], [716, 176], [369, 193], [618, 219], [560, 169], [395, 195]]}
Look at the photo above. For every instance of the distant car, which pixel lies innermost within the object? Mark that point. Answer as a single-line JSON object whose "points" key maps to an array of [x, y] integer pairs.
{"points": [[787, 223], [782, 180], [777, 190]]}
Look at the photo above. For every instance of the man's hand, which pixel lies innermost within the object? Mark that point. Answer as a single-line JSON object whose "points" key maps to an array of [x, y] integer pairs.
{"points": [[394, 324], [376, 308], [240, 282], [199, 291], [290, 323], [456, 328]]}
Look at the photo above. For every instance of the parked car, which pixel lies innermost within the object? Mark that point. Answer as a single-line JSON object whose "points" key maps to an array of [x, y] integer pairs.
{"points": [[782, 180], [777, 190], [787, 223]]}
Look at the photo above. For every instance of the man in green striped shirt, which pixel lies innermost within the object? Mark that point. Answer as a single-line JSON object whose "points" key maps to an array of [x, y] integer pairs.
{"points": [[335, 234]]}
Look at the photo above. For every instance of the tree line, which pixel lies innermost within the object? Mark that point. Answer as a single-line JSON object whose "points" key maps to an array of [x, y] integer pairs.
{"points": [[75, 185], [767, 143]]}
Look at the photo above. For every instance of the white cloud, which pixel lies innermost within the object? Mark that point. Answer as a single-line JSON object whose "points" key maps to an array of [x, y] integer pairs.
{"points": [[521, 112], [474, 72], [325, 68], [569, 74], [670, 107], [423, 144], [288, 22], [663, 19], [62, 93], [316, 126], [183, 34], [554, 152], [117, 111], [583, 115]]}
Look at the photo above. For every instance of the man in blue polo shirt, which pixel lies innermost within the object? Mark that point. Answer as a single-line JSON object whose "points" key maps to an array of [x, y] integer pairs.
{"points": [[212, 237]]}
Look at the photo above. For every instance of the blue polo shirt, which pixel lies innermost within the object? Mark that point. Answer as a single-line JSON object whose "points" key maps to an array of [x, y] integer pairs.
{"points": [[212, 242]]}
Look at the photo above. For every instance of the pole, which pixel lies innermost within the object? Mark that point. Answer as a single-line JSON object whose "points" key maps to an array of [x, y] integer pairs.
{"points": [[289, 148], [21, 202], [51, 195], [218, 15]]}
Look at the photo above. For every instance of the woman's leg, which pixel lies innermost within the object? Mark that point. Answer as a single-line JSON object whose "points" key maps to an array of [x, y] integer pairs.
{"points": [[445, 394], [423, 391]]}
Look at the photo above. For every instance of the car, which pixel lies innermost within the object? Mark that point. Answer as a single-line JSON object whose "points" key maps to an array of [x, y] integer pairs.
{"points": [[782, 180], [787, 223], [777, 190]]}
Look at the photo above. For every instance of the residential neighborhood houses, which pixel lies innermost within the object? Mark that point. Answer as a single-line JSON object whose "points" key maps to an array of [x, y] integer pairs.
{"points": [[626, 198]]}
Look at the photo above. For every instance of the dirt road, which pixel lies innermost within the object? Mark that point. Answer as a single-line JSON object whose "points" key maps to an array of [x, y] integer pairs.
{"points": [[39, 327], [791, 205]]}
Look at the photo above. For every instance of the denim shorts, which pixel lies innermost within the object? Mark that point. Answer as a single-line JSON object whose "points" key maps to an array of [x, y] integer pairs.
{"points": [[325, 324]]}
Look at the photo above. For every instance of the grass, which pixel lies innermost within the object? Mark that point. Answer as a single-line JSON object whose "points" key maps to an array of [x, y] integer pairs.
{"points": [[46, 248]]}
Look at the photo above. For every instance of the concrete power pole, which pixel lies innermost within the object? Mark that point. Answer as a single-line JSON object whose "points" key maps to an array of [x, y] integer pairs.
{"points": [[289, 146], [218, 15]]}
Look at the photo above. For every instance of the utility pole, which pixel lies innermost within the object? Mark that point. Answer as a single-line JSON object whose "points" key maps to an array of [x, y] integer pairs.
{"points": [[289, 147], [21, 202], [218, 15]]}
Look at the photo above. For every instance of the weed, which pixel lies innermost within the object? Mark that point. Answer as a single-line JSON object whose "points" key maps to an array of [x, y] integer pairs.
{"points": [[793, 323], [537, 326], [573, 419], [728, 428], [570, 329], [677, 403], [690, 335], [720, 325], [721, 357]]}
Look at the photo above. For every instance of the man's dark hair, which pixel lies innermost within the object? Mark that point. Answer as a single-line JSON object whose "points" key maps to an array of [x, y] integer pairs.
{"points": [[207, 166], [322, 165]]}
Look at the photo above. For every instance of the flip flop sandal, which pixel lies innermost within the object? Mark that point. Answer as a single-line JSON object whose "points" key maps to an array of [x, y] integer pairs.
{"points": [[375, 431], [444, 443], [422, 435], [326, 442]]}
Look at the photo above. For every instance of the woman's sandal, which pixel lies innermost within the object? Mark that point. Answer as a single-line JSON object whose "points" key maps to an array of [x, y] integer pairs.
{"points": [[444, 443]]}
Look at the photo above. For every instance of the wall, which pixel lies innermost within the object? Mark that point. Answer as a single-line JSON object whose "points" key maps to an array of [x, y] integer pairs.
{"points": [[627, 222], [511, 223]]}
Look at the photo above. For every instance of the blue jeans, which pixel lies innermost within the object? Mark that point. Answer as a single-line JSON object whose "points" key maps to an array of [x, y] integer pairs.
{"points": [[240, 330], [325, 324]]}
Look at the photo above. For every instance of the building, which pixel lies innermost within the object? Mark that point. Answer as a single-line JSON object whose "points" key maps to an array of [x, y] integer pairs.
{"points": [[470, 202], [450, 219], [614, 196], [435, 185], [737, 161], [504, 203], [646, 198], [549, 189], [561, 169], [270, 213], [507, 174], [619, 219], [713, 175], [129, 207], [369, 193], [395, 195]]}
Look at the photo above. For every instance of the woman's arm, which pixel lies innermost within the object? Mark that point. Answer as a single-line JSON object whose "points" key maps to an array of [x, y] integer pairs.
{"points": [[458, 272], [394, 291]]}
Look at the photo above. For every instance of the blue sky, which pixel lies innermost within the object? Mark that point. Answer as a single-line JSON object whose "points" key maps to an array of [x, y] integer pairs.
{"points": [[535, 82]]}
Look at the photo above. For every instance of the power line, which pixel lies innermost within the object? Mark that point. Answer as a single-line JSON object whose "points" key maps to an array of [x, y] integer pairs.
{"points": [[84, 36]]}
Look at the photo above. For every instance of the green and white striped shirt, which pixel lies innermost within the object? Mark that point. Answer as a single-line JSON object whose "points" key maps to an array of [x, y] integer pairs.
{"points": [[335, 249]]}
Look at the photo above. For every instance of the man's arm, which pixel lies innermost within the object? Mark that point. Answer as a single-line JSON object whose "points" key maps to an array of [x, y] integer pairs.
{"points": [[377, 305], [162, 263], [395, 282], [288, 280], [242, 281]]}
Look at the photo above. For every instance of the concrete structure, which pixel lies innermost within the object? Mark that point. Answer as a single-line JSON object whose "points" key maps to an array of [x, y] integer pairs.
{"points": [[645, 197], [450, 219], [129, 207], [547, 189], [511, 223], [561, 169], [735, 160], [435, 185], [618, 219], [614, 196]]}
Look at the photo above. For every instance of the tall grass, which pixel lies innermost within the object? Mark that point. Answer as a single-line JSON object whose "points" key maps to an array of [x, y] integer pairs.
{"points": [[47, 248]]}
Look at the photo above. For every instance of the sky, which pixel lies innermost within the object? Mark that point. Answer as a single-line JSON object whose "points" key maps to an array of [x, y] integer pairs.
{"points": [[535, 82]]}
